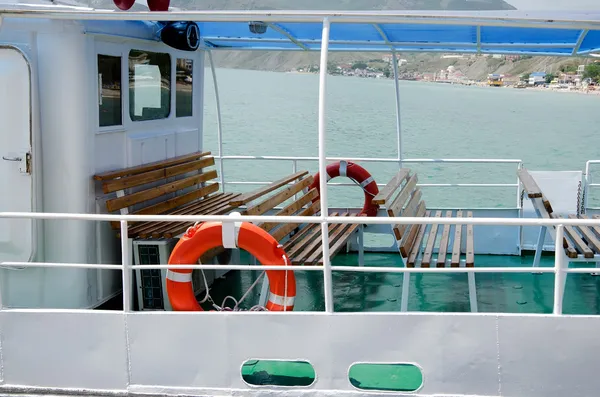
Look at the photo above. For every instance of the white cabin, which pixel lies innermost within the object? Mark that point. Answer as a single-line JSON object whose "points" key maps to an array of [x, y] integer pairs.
{"points": [[65, 113]]}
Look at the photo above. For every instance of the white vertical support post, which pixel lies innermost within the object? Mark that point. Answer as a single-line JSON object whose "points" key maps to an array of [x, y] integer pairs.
{"points": [[560, 276], [361, 245], [294, 170], [219, 125], [539, 247], [405, 288], [125, 264], [327, 280], [472, 292], [398, 116], [587, 180]]}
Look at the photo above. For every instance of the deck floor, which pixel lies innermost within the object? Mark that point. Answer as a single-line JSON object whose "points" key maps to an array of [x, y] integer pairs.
{"points": [[499, 293]]}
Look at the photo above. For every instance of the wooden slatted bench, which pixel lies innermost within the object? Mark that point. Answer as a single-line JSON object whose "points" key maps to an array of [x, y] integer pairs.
{"points": [[418, 244], [581, 243], [302, 242], [178, 186]]}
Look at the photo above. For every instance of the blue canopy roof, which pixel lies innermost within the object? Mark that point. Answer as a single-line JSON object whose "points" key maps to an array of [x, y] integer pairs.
{"points": [[496, 32], [505, 32], [468, 38]]}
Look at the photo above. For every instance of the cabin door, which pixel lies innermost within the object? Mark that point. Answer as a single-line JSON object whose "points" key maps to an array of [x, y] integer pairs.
{"points": [[16, 179]]}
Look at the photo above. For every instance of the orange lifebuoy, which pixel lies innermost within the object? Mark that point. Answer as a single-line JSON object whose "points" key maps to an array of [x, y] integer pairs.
{"points": [[360, 176], [205, 236]]}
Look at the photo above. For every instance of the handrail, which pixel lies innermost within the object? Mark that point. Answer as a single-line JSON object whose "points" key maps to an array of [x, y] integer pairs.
{"points": [[307, 219], [295, 159], [560, 268]]}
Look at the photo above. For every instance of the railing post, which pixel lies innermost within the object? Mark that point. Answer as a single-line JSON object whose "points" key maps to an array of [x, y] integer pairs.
{"points": [[398, 116], [219, 125], [559, 273], [125, 264], [327, 283], [294, 170]]}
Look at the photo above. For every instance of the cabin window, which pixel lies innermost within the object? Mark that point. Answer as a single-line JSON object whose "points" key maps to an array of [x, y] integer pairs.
{"points": [[149, 85], [109, 86], [183, 99]]}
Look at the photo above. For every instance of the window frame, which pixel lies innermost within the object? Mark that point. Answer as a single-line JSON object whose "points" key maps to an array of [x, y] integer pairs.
{"points": [[113, 47], [172, 76], [193, 93], [112, 50]]}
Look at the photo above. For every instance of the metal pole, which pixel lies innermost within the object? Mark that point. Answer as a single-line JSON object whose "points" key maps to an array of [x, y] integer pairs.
{"points": [[125, 264], [398, 117], [559, 274], [219, 125], [327, 283]]}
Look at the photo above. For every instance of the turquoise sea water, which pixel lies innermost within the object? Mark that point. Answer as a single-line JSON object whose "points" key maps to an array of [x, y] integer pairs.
{"points": [[267, 113], [276, 114]]}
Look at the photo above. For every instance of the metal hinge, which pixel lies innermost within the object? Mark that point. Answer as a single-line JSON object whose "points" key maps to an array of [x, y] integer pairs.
{"points": [[24, 160]]}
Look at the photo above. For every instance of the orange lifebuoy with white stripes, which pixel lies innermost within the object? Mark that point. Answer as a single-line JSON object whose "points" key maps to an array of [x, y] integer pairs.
{"points": [[208, 235], [359, 175]]}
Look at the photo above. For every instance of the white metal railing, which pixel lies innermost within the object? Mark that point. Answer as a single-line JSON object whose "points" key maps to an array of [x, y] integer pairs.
{"points": [[589, 183], [295, 159], [560, 268]]}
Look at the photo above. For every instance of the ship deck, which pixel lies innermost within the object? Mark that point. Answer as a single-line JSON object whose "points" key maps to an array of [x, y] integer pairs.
{"points": [[381, 292]]}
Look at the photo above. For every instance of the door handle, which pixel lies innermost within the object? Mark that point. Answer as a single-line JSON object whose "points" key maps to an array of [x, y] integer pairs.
{"points": [[12, 158]]}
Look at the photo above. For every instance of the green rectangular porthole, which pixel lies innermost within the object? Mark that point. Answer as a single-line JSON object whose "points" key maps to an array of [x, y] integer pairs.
{"points": [[278, 373], [386, 377]]}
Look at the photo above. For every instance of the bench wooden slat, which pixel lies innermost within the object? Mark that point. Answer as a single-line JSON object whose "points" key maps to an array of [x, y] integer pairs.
{"points": [[410, 236], [167, 205], [180, 228], [532, 188], [386, 193], [216, 207], [570, 249], [577, 240], [157, 229], [430, 242], [291, 209], [273, 201], [299, 235], [470, 262], [443, 251], [149, 166], [307, 239], [154, 176], [247, 197], [337, 241], [396, 207], [412, 209], [588, 234], [340, 239], [594, 229], [287, 228], [457, 242], [152, 193], [579, 243], [416, 248], [175, 202], [190, 208], [309, 248]]}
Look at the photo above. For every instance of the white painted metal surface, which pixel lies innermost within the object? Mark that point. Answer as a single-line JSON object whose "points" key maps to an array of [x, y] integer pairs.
{"points": [[460, 354], [17, 237]]}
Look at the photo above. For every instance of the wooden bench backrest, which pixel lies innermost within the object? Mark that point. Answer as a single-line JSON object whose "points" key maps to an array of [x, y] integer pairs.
{"points": [[159, 187], [535, 193], [290, 188], [402, 197], [546, 211]]}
